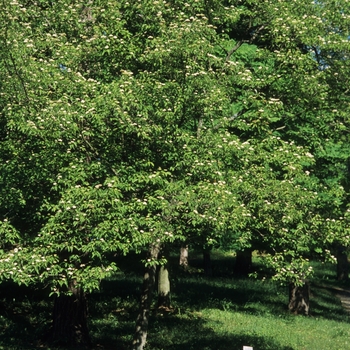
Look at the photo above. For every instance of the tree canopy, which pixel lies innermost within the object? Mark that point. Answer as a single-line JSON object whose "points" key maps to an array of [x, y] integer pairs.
{"points": [[127, 122]]}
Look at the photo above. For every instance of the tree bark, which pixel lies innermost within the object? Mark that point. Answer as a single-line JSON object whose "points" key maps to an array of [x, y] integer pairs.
{"points": [[299, 299], [208, 271], [243, 265], [184, 257], [142, 320], [342, 264], [70, 320], [163, 287]]}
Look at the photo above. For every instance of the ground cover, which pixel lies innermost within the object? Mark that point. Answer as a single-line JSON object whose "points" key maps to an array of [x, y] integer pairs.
{"points": [[217, 313]]}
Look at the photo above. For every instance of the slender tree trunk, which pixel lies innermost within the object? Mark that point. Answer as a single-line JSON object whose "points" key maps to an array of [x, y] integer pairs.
{"points": [[299, 299], [163, 287], [70, 320], [149, 279], [342, 264], [208, 271], [184, 256], [243, 265]]}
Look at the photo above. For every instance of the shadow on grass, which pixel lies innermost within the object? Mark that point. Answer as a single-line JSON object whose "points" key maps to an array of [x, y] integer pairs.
{"points": [[197, 292], [114, 309], [243, 294], [227, 291], [177, 333], [326, 304], [194, 292], [25, 314], [173, 332], [184, 329]]}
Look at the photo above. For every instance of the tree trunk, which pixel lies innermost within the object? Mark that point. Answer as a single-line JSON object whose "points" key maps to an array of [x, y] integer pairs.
{"points": [[243, 265], [299, 299], [184, 256], [149, 278], [342, 264], [208, 271], [70, 320], [163, 287]]}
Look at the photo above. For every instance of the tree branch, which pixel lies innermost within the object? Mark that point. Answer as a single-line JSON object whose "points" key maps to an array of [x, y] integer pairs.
{"points": [[241, 42], [228, 120]]}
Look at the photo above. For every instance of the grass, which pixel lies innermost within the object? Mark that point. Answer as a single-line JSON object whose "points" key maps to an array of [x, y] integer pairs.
{"points": [[218, 313]]}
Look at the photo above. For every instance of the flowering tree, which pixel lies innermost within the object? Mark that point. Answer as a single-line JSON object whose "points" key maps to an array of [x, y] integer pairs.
{"points": [[135, 124]]}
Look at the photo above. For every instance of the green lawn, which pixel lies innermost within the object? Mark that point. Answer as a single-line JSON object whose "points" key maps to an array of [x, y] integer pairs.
{"points": [[218, 313]]}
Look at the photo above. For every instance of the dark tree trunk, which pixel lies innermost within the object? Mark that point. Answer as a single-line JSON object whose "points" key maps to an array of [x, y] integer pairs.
{"points": [[299, 299], [243, 265], [184, 256], [342, 264], [208, 271], [149, 279], [70, 320]]}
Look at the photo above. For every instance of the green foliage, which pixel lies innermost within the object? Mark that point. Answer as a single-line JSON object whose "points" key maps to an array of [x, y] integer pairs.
{"points": [[216, 123]]}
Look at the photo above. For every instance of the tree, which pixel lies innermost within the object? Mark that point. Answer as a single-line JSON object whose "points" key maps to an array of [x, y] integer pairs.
{"points": [[98, 138], [308, 114], [137, 124]]}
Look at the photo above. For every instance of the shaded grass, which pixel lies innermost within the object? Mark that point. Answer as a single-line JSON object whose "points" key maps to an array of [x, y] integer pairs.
{"points": [[229, 312], [218, 313], [24, 316]]}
